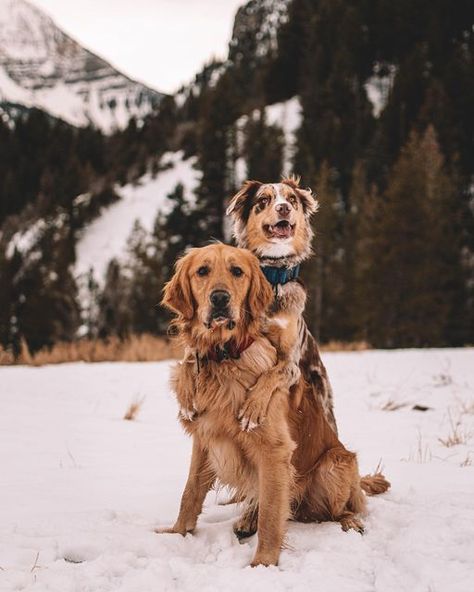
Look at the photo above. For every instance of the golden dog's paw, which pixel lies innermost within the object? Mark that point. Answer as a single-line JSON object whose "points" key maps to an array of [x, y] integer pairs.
{"points": [[252, 413], [246, 525], [172, 530], [351, 522], [266, 558]]}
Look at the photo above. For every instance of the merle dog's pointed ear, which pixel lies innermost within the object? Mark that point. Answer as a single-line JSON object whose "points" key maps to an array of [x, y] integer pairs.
{"points": [[309, 202], [241, 204]]}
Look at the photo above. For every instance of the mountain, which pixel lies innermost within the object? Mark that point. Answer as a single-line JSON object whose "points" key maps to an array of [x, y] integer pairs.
{"points": [[256, 27], [371, 103], [41, 66]]}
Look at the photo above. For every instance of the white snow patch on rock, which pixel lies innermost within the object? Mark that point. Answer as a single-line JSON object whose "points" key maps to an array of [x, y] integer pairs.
{"points": [[378, 88]]}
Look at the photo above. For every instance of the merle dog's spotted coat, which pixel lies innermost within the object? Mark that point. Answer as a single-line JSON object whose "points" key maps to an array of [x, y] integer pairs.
{"points": [[273, 221]]}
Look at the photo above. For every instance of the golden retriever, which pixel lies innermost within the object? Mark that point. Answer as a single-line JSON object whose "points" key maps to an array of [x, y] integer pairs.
{"points": [[292, 464]]}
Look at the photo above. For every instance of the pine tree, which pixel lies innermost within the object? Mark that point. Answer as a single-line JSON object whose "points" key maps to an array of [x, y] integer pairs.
{"points": [[323, 273], [45, 308], [115, 317], [412, 273], [263, 148], [217, 116], [150, 261]]}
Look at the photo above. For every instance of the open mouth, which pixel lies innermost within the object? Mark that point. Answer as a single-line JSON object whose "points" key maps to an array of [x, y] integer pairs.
{"points": [[282, 229], [220, 317]]}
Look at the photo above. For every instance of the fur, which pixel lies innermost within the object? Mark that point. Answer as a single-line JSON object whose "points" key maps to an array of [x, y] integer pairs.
{"points": [[293, 465], [253, 209]]}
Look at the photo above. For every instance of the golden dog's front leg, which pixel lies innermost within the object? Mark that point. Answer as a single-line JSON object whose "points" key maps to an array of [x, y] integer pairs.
{"points": [[200, 480], [183, 381], [275, 479], [255, 408]]}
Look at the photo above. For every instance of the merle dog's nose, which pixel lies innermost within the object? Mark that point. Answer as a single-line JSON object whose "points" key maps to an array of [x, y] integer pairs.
{"points": [[219, 298], [283, 209]]}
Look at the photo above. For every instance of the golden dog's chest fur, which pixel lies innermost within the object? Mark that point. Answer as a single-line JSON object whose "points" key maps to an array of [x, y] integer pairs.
{"points": [[220, 390]]}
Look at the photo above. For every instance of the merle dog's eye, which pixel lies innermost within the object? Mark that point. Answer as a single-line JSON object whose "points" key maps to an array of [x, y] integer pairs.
{"points": [[202, 271], [237, 271], [292, 199]]}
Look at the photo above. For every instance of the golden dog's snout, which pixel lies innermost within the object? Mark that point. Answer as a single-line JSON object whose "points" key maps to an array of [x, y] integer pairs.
{"points": [[219, 298]]}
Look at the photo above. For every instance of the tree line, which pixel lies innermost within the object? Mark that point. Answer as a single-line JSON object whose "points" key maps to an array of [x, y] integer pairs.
{"points": [[393, 261]]}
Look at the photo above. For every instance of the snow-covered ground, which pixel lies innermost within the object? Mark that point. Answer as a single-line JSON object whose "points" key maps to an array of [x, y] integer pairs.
{"points": [[82, 490]]}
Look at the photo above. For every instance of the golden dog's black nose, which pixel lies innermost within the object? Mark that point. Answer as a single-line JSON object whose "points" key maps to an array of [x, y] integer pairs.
{"points": [[219, 298], [283, 209]]}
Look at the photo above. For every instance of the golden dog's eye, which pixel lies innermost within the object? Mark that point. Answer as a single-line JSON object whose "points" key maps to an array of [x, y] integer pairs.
{"points": [[203, 270], [237, 271]]}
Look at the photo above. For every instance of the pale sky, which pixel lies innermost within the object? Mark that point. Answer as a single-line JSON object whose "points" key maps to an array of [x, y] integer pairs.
{"points": [[162, 43]]}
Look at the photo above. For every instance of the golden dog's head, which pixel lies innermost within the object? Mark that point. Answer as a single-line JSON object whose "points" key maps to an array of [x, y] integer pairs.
{"points": [[218, 292], [272, 219]]}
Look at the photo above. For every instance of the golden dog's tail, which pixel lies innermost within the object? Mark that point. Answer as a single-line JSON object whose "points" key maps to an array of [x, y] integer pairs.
{"points": [[374, 484]]}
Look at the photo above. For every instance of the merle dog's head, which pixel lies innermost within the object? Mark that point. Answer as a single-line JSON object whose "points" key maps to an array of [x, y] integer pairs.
{"points": [[273, 219]]}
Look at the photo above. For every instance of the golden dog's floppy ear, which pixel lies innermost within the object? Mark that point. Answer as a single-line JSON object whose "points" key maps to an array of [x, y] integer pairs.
{"points": [[177, 295], [241, 204], [260, 294], [309, 202]]}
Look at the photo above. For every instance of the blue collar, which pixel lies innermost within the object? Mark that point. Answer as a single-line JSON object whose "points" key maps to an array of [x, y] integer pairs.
{"points": [[280, 275]]}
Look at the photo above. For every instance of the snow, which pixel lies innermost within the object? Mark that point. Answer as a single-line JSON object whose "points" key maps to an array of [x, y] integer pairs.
{"points": [[23, 241], [82, 489], [379, 86], [40, 66], [106, 237], [288, 115]]}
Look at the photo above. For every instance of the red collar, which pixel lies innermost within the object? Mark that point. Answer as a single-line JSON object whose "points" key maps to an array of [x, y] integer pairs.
{"points": [[229, 351]]}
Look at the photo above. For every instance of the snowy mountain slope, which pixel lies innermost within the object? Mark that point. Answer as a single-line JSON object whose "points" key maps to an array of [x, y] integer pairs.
{"points": [[106, 237], [40, 66], [82, 489]]}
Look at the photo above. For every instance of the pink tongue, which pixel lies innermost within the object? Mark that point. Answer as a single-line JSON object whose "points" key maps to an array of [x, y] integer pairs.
{"points": [[281, 231]]}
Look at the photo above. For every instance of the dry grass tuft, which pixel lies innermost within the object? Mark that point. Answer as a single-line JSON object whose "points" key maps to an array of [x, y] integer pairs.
{"points": [[133, 409], [335, 346], [422, 454], [466, 407], [6, 357], [137, 348], [391, 405], [457, 435]]}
